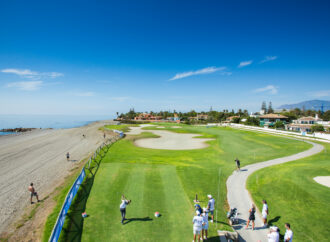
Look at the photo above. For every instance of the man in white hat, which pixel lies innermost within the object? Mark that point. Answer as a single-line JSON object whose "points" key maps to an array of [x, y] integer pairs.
{"points": [[198, 225], [210, 206]]}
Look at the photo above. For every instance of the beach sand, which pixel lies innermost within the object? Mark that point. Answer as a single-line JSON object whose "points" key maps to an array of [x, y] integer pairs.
{"points": [[39, 157]]}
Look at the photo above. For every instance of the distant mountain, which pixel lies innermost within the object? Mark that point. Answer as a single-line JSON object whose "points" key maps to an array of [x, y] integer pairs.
{"points": [[312, 105]]}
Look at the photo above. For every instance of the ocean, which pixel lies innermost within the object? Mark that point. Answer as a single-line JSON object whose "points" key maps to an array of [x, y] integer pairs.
{"points": [[48, 121]]}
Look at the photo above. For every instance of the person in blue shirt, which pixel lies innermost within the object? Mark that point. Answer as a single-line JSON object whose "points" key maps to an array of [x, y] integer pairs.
{"points": [[198, 208]]}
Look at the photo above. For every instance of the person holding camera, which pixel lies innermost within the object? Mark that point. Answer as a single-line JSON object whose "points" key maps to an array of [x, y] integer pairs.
{"points": [[122, 207]]}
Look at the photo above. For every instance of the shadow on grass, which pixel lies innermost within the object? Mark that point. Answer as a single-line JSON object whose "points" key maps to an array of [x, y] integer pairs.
{"points": [[128, 220], [74, 222], [274, 220]]}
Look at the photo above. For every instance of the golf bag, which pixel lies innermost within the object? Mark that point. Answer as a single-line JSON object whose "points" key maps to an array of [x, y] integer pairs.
{"points": [[232, 215]]}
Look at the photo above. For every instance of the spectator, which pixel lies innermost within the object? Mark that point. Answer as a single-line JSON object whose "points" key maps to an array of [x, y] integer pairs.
{"points": [[210, 206], [273, 235], [67, 156], [33, 193], [264, 212], [238, 164], [198, 225], [252, 217], [198, 208], [206, 223], [288, 233]]}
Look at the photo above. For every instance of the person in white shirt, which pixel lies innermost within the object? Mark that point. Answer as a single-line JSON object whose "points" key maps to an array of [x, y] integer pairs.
{"points": [[210, 206], [198, 225], [288, 233], [264, 212], [273, 235], [205, 216], [122, 208]]}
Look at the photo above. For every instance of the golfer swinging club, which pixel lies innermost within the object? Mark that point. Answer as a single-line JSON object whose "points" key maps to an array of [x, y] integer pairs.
{"points": [[122, 207]]}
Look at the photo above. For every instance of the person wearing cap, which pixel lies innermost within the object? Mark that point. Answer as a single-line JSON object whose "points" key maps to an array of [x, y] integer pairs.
{"points": [[205, 216], [198, 208], [273, 234], [210, 206], [198, 225], [288, 233]]}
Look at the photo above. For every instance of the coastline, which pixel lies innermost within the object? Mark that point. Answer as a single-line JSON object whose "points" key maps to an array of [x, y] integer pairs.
{"points": [[38, 156]]}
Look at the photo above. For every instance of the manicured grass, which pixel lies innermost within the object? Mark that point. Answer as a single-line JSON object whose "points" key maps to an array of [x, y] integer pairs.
{"points": [[167, 181], [294, 197]]}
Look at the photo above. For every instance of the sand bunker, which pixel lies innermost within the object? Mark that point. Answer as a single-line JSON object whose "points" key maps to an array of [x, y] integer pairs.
{"points": [[323, 180], [176, 127], [168, 140], [160, 127]]}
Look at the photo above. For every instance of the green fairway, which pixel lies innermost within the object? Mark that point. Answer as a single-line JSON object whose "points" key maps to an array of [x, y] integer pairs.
{"points": [[294, 197], [167, 181]]}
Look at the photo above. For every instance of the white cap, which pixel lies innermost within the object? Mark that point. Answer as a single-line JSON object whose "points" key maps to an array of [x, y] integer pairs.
{"points": [[197, 212], [209, 196]]}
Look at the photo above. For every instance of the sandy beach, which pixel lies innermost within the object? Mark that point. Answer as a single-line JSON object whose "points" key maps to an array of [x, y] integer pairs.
{"points": [[39, 157]]}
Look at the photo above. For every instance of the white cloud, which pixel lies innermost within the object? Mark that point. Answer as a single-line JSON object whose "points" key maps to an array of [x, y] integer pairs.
{"points": [[120, 99], [245, 63], [322, 93], [26, 86], [206, 70], [26, 73], [83, 94], [268, 58], [270, 88]]}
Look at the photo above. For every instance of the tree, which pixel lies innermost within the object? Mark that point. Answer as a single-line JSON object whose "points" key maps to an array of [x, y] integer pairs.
{"points": [[317, 128], [236, 120], [270, 108], [264, 107], [252, 121], [279, 125]]}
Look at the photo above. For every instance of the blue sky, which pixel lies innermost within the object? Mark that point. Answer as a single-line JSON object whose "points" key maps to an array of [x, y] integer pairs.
{"points": [[100, 57]]}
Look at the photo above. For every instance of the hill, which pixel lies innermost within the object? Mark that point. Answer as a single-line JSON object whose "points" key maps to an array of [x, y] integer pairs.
{"points": [[312, 105]]}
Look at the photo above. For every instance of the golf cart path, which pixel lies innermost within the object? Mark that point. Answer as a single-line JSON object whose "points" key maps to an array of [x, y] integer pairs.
{"points": [[238, 196]]}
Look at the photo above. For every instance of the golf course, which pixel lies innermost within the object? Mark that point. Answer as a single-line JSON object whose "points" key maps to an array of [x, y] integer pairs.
{"points": [[166, 181], [294, 197]]}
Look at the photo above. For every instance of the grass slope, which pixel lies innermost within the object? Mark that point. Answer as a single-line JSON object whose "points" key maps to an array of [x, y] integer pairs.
{"points": [[167, 181], [294, 197]]}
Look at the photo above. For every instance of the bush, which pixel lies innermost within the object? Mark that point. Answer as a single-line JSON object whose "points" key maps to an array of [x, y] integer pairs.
{"points": [[252, 121], [279, 125], [317, 128]]}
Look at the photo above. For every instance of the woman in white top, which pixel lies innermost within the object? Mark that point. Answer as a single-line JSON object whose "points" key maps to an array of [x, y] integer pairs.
{"points": [[122, 208], [264, 212]]}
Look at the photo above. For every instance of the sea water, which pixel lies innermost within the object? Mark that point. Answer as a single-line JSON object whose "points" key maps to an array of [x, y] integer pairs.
{"points": [[48, 121]]}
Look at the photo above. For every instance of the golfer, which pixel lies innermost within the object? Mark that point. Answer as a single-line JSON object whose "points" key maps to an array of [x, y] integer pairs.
{"points": [[122, 208], [205, 227], [198, 225], [67, 156], [33, 193], [273, 234], [210, 206], [252, 217], [238, 164], [264, 212], [288, 233]]}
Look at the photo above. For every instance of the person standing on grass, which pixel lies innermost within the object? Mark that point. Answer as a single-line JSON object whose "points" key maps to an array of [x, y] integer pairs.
{"points": [[252, 217], [206, 224], [264, 212], [68, 156], [238, 164], [122, 208], [198, 226], [210, 206], [33, 193], [273, 234], [288, 233]]}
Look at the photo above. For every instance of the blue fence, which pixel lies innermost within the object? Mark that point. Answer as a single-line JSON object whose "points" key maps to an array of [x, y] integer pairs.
{"points": [[65, 208]]}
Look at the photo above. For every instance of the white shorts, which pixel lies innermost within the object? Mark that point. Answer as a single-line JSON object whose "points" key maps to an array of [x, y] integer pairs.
{"points": [[197, 230], [264, 215], [206, 226]]}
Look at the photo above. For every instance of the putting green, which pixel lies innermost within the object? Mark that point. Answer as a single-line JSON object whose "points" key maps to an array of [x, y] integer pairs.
{"points": [[167, 181]]}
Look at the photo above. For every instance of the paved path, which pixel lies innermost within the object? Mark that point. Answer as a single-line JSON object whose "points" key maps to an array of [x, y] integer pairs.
{"points": [[238, 197]]}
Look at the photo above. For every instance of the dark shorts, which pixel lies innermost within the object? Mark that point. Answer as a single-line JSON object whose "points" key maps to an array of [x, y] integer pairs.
{"points": [[33, 194], [252, 218], [211, 212]]}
